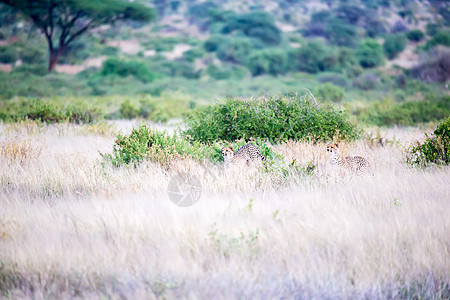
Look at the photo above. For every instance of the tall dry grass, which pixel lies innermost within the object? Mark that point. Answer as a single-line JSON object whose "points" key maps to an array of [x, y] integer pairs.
{"points": [[70, 227]]}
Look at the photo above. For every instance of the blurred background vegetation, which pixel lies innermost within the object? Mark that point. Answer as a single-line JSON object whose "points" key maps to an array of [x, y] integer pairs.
{"points": [[385, 62]]}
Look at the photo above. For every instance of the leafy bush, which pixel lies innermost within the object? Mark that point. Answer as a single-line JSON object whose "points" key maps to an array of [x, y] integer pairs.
{"points": [[370, 54], [258, 25], [47, 112], [436, 148], [269, 61], [313, 57], [144, 143], [122, 68], [411, 113], [8, 54], [31, 55], [40, 69], [341, 34], [399, 27], [330, 92], [235, 50], [227, 71], [274, 119], [415, 35], [394, 44], [128, 110], [213, 43], [441, 38]]}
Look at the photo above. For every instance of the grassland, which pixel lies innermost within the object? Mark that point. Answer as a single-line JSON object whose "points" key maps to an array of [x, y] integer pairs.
{"points": [[72, 227]]}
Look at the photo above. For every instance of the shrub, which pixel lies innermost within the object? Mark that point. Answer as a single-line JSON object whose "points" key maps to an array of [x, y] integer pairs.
{"points": [[258, 25], [227, 71], [441, 38], [31, 55], [213, 43], [389, 113], [341, 34], [415, 35], [269, 61], [235, 50], [274, 119], [40, 70], [399, 27], [8, 54], [144, 143], [394, 44], [370, 54], [313, 57], [436, 148], [122, 68], [128, 110], [330, 92]]}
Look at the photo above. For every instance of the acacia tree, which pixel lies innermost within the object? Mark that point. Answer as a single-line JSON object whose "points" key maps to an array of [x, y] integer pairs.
{"points": [[62, 21]]}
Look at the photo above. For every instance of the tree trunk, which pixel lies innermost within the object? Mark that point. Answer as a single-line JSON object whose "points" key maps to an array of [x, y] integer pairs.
{"points": [[54, 56]]}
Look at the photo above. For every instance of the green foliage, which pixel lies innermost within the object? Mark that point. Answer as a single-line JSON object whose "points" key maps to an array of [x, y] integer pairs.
{"points": [[147, 144], [235, 50], [47, 112], [213, 43], [394, 44], [227, 71], [440, 38], [370, 54], [366, 81], [313, 57], [275, 119], [435, 150], [330, 92], [341, 34], [123, 68], [334, 78], [203, 9], [39, 69], [389, 113], [8, 54], [32, 55], [128, 110], [269, 61], [415, 35], [258, 25]]}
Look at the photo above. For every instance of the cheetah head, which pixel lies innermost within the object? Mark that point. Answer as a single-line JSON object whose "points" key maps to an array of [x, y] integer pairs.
{"points": [[227, 153], [333, 148]]}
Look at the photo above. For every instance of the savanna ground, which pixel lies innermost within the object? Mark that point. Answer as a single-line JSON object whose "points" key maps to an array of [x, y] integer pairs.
{"points": [[71, 226]]}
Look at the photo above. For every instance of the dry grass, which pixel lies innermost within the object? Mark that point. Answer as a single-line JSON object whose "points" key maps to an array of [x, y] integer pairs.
{"points": [[72, 228]]}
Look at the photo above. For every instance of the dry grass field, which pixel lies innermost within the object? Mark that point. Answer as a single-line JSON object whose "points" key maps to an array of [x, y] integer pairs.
{"points": [[71, 227]]}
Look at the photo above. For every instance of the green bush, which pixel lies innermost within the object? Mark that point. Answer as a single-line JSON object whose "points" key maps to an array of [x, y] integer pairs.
{"points": [[440, 38], [313, 57], [227, 71], [411, 113], [269, 61], [258, 25], [8, 54], [435, 150], [341, 34], [146, 144], [128, 110], [394, 44], [235, 50], [40, 69], [31, 55], [274, 119], [123, 68], [370, 54], [415, 35], [213, 43], [48, 112], [330, 92]]}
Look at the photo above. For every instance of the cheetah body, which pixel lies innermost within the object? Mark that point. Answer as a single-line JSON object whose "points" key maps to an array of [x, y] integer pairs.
{"points": [[348, 164], [248, 154]]}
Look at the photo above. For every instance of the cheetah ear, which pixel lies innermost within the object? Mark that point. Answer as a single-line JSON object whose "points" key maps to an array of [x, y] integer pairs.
{"points": [[337, 145], [231, 147]]}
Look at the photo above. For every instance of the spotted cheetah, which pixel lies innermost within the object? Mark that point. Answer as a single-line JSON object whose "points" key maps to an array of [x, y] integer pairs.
{"points": [[248, 154], [348, 164]]}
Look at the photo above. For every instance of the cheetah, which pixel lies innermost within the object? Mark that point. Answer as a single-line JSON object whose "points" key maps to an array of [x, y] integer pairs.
{"points": [[248, 154], [348, 164]]}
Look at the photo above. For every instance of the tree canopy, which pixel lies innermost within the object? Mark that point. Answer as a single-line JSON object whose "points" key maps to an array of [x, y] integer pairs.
{"points": [[62, 21]]}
